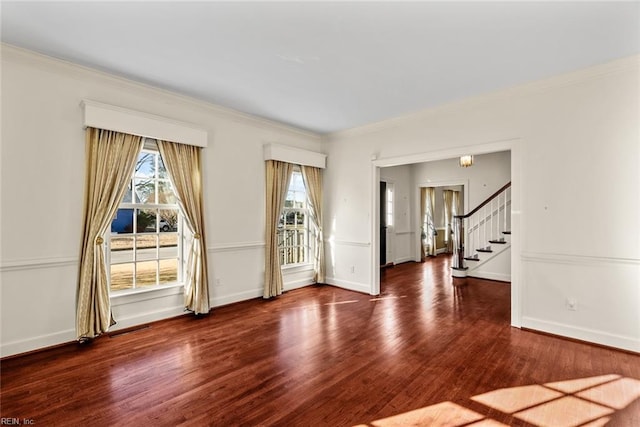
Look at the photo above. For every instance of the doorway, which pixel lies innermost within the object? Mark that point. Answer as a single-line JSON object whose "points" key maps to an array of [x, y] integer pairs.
{"points": [[512, 145], [383, 224], [386, 223]]}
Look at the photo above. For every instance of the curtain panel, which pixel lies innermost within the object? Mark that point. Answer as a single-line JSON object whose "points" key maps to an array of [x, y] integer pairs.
{"points": [[111, 158], [427, 203], [313, 182], [278, 175], [455, 209], [448, 218], [184, 166]]}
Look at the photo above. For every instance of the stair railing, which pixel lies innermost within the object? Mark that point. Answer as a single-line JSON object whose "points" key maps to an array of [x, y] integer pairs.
{"points": [[481, 225]]}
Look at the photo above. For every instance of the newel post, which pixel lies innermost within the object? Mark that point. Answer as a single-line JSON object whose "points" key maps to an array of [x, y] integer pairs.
{"points": [[458, 247]]}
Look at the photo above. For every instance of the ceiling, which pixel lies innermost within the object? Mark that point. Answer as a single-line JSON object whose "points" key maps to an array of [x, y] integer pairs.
{"points": [[323, 66]]}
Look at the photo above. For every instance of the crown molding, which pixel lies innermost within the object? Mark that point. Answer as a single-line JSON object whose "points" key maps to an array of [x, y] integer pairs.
{"points": [[628, 63], [37, 60]]}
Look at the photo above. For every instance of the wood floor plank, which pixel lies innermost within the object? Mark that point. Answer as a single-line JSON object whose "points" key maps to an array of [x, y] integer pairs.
{"points": [[418, 353]]}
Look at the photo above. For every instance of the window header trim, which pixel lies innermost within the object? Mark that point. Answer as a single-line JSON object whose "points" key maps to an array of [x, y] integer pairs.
{"points": [[111, 117], [296, 156]]}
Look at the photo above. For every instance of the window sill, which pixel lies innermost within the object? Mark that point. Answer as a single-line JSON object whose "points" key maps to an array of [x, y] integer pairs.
{"points": [[295, 268], [144, 294]]}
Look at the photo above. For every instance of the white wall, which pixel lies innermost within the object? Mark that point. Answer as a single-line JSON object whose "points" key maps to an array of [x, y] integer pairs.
{"points": [[576, 204], [42, 184]]}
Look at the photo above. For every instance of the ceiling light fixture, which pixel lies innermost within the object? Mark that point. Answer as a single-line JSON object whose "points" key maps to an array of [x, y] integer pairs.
{"points": [[466, 161]]}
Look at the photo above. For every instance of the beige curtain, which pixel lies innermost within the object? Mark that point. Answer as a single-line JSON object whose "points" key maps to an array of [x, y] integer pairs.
{"points": [[448, 219], [313, 183], [278, 175], [456, 203], [184, 166], [455, 210], [111, 158], [427, 203]]}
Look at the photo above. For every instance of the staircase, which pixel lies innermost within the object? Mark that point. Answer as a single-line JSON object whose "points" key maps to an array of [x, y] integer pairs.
{"points": [[483, 233]]}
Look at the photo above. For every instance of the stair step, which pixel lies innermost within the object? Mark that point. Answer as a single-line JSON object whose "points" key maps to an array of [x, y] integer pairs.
{"points": [[499, 242], [484, 250], [470, 258], [506, 232]]}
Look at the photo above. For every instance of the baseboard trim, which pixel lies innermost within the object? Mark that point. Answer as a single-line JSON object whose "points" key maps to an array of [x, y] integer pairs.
{"points": [[403, 260], [582, 334], [148, 317], [297, 284], [237, 297], [351, 286], [562, 337], [37, 343]]}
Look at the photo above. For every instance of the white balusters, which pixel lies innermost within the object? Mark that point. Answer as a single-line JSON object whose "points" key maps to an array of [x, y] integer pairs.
{"points": [[485, 223]]}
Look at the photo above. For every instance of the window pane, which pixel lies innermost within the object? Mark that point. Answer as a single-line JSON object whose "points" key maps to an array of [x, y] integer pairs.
{"points": [[123, 221], [168, 245], [166, 195], [162, 170], [121, 277], [291, 218], [121, 249], [297, 183], [146, 273], [300, 199], [146, 220], [128, 194], [168, 220], [168, 271], [145, 190], [146, 165], [146, 247]]}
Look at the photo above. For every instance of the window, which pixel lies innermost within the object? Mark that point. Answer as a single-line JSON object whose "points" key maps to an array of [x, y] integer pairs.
{"points": [[293, 229], [145, 244]]}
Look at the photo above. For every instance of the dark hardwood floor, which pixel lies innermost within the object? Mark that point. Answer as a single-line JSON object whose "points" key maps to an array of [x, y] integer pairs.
{"points": [[422, 353]]}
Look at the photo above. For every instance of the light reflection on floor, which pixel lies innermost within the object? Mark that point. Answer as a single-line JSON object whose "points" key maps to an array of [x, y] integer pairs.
{"points": [[585, 402]]}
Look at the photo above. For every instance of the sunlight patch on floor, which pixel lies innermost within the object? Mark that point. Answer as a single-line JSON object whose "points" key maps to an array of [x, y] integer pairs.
{"points": [[574, 386], [442, 414], [510, 400], [587, 402], [567, 411]]}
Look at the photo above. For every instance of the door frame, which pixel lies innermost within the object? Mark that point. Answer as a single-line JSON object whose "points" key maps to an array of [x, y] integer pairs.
{"points": [[512, 145]]}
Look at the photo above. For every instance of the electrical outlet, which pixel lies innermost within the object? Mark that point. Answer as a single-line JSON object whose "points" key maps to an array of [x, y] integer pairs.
{"points": [[572, 304]]}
